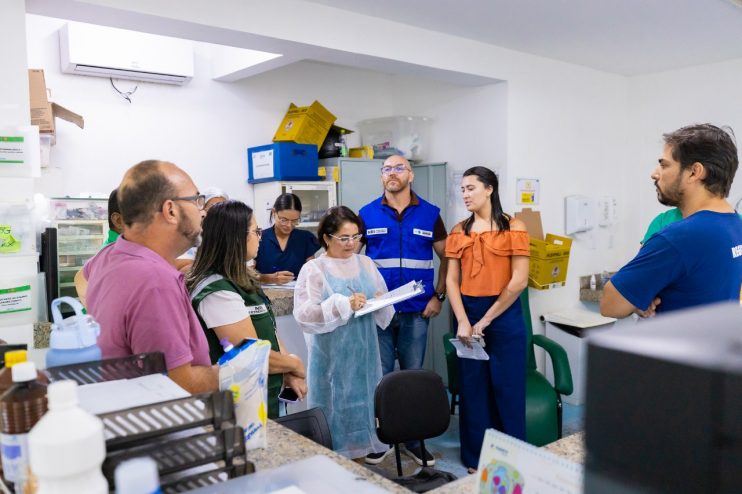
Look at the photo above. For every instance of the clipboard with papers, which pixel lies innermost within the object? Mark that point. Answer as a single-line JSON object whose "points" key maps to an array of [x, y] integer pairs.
{"points": [[474, 351], [404, 292]]}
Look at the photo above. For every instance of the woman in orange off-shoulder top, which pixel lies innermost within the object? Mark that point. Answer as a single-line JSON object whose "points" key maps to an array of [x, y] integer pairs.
{"points": [[487, 270]]}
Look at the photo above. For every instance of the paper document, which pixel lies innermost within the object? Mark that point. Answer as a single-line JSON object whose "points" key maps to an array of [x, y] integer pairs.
{"points": [[404, 292], [516, 466], [476, 351], [578, 318], [291, 285], [110, 396]]}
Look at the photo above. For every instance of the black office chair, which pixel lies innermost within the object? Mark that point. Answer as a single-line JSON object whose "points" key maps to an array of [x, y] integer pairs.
{"points": [[311, 424], [412, 405], [452, 366]]}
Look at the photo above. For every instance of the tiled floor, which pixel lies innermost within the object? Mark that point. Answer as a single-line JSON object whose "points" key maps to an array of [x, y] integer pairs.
{"points": [[445, 448]]}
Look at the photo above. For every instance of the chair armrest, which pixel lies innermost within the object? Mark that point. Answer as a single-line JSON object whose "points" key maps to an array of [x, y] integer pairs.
{"points": [[559, 362]]}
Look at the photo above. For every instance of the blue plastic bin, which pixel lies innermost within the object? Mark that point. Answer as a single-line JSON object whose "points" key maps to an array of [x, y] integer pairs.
{"points": [[282, 161]]}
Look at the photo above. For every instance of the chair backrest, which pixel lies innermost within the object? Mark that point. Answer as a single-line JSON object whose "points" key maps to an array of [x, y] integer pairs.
{"points": [[311, 424], [526, 306], [452, 366], [410, 405]]}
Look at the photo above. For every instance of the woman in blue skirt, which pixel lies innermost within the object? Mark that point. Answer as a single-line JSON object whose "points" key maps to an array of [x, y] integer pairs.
{"points": [[487, 270]]}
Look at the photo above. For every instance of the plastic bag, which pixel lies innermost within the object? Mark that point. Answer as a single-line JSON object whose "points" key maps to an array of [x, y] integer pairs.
{"points": [[243, 370]]}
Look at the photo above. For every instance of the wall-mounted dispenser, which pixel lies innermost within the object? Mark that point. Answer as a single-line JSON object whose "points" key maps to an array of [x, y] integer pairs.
{"points": [[579, 214]]}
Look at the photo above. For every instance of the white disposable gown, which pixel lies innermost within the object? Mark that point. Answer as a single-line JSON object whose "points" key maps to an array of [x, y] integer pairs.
{"points": [[344, 365]]}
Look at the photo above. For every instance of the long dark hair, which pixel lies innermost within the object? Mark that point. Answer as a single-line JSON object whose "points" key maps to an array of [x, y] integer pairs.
{"points": [[497, 216], [223, 247]]}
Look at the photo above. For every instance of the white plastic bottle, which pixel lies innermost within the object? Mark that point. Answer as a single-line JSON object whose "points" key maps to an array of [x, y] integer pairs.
{"points": [[137, 476], [67, 447]]}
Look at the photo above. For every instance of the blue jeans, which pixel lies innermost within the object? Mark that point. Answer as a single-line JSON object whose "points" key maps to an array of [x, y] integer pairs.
{"points": [[405, 338]]}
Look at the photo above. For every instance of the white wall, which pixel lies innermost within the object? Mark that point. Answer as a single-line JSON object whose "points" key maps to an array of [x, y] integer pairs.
{"points": [[557, 122], [13, 91], [666, 101]]}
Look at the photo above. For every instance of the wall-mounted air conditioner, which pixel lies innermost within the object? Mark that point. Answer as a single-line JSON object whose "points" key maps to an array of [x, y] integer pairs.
{"points": [[101, 51]]}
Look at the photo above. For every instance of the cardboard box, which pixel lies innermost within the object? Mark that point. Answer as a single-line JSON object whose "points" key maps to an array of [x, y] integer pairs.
{"points": [[329, 173], [282, 161], [44, 112], [549, 256], [365, 152], [305, 125]]}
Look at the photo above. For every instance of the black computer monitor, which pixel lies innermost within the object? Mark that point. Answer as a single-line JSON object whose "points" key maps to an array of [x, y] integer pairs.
{"points": [[664, 404]]}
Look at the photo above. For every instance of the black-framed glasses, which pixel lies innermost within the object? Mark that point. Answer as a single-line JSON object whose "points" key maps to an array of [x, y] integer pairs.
{"points": [[388, 170], [258, 232], [347, 238], [199, 199], [286, 221]]}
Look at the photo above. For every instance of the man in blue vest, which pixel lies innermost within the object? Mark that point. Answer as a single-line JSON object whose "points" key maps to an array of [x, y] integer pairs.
{"points": [[402, 233]]}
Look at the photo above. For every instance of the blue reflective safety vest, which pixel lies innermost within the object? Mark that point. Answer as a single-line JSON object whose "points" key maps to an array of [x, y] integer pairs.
{"points": [[402, 248]]}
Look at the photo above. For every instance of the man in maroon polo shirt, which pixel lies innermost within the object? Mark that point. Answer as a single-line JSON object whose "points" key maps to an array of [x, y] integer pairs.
{"points": [[134, 290]]}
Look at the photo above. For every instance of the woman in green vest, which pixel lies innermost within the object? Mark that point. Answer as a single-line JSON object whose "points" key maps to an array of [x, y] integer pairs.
{"points": [[226, 295]]}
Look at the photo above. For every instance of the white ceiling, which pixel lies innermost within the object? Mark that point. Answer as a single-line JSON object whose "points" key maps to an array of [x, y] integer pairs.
{"points": [[628, 37]]}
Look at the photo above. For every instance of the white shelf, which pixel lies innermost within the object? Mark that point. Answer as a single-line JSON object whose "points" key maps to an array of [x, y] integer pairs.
{"points": [[83, 222], [66, 238]]}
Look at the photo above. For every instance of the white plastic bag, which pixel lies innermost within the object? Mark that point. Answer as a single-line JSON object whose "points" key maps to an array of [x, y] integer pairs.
{"points": [[244, 371]]}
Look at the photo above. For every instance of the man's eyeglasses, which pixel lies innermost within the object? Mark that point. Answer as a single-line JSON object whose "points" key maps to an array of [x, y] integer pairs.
{"points": [[199, 199], [286, 221], [347, 238], [258, 232], [388, 170]]}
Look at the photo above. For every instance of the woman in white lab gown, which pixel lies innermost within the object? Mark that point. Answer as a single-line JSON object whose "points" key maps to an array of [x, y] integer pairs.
{"points": [[344, 366]]}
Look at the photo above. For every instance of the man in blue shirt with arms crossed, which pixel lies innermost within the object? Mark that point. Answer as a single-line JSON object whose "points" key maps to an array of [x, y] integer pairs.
{"points": [[695, 261]]}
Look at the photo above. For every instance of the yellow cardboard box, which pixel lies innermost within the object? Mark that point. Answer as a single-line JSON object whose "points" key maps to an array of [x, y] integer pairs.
{"points": [[329, 173], [549, 261], [305, 124], [549, 256]]}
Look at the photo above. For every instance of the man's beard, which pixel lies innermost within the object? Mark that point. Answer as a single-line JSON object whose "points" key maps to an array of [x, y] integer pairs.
{"points": [[672, 196], [400, 185], [193, 234]]}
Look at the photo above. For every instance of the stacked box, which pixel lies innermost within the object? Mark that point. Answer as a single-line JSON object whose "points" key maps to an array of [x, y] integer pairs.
{"points": [[549, 261], [282, 161], [305, 125]]}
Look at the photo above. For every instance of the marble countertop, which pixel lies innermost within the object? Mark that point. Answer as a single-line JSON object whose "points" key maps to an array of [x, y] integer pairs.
{"points": [[286, 446], [282, 299], [570, 447]]}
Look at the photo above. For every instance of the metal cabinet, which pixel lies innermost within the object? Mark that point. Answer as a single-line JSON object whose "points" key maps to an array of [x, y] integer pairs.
{"points": [[360, 183], [431, 183], [358, 180]]}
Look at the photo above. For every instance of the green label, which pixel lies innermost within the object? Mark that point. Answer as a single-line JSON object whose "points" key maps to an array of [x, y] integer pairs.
{"points": [[16, 289], [15, 299], [11, 139]]}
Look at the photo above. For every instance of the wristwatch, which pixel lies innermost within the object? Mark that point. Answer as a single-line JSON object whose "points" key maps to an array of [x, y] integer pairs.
{"points": [[440, 296]]}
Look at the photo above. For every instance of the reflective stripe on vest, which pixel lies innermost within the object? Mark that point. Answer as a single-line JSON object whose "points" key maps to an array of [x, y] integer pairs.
{"points": [[404, 263]]}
